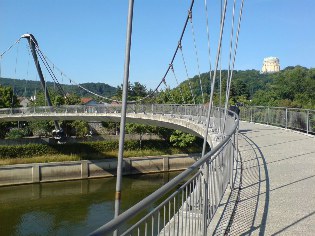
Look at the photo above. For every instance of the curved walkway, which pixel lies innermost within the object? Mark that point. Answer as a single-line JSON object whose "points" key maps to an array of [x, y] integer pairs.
{"points": [[277, 194]]}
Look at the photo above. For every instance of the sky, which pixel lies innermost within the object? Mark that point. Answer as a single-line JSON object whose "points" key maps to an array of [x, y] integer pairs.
{"points": [[86, 38]]}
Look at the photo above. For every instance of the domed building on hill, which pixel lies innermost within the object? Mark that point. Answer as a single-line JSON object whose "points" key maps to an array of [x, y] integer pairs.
{"points": [[270, 65]]}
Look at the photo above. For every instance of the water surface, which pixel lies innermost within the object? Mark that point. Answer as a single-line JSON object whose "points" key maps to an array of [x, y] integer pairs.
{"points": [[70, 208]]}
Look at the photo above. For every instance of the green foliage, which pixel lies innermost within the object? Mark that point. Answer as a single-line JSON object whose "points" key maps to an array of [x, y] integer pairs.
{"points": [[32, 86], [41, 128], [72, 99], [136, 91], [294, 86], [28, 150], [111, 127], [16, 133], [180, 139], [85, 148], [7, 98], [291, 87], [81, 128], [139, 129]]}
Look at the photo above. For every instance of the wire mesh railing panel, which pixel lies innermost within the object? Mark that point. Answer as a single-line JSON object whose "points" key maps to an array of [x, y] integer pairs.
{"points": [[277, 117], [297, 120], [291, 118], [311, 121]]}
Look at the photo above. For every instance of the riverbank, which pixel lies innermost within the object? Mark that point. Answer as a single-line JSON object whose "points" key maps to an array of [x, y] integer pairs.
{"points": [[44, 153], [86, 169]]}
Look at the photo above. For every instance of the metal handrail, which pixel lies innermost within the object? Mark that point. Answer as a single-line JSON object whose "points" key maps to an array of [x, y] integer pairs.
{"points": [[131, 212], [290, 118], [218, 163]]}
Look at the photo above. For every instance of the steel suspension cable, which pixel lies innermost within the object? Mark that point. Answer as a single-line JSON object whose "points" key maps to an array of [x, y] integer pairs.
{"points": [[9, 48], [93, 93], [228, 81], [106, 98], [180, 88], [51, 73], [186, 70], [220, 77], [167, 88], [15, 71], [208, 38], [214, 75], [196, 53], [48, 68], [235, 52]]}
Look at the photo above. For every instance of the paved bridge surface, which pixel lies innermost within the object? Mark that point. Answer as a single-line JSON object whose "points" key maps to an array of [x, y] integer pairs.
{"points": [[277, 194]]}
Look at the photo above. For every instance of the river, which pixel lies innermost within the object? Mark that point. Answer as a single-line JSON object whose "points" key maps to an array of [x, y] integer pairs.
{"points": [[72, 207]]}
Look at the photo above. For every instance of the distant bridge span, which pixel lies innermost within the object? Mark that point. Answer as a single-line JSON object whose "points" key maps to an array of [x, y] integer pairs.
{"points": [[187, 118]]}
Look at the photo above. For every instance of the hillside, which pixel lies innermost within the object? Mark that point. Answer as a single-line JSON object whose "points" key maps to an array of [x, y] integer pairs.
{"points": [[26, 88], [293, 86]]}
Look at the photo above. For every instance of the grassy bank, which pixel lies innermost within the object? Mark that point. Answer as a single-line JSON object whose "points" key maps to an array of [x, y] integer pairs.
{"points": [[40, 153]]}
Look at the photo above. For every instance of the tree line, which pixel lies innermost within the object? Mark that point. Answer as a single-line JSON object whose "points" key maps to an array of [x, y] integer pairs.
{"points": [[28, 88], [291, 87]]}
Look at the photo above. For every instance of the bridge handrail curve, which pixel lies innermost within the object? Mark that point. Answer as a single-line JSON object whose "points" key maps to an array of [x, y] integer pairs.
{"points": [[105, 108], [208, 159]]}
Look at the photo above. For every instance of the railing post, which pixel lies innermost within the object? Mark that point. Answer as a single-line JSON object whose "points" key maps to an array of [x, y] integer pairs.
{"points": [[205, 200], [152, 108], [307, 121], [251, 114], [286, 117], [267, 115]]}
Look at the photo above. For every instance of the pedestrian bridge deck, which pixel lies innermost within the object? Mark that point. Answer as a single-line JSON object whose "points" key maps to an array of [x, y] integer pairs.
{"points": [[277, 193]]}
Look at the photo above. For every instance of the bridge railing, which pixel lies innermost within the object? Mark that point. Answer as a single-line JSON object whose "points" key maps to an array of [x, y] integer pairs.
{"points": [[186, 204], [175, 109], [289, 118]]}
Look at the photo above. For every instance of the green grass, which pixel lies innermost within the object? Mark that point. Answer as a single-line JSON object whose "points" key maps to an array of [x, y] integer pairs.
{"points": [[97, 156]]}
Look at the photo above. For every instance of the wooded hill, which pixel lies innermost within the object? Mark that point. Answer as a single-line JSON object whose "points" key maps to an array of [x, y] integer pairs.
{"points": [[293, 86], [26, 88]]}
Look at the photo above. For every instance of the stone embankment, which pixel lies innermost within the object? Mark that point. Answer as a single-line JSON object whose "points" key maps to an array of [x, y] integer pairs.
{"points": [[61, 171]]}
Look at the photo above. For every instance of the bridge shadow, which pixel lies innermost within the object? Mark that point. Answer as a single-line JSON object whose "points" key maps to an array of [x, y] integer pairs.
{"points": [[246, 210]]}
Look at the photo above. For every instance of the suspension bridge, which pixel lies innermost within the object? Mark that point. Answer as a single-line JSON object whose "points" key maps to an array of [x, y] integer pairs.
{"points": [[256, 178]]}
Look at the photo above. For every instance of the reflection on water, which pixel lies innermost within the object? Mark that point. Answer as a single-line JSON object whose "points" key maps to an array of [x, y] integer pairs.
{"points": [[70, 208]]}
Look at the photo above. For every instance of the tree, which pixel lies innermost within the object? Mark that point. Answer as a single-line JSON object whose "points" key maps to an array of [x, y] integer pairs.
{"points": [[41, 128], [7, 100], [81, 128], [111, 127], [132, 128], [72, 99], [180, 139], [16, 133], [136, 91]]}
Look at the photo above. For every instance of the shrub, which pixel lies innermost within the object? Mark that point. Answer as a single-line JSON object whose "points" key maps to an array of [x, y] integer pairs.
{"points": [[31, 150]]}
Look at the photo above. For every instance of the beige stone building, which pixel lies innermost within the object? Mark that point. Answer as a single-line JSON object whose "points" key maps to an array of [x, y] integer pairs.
{"points": [[271, 64]]}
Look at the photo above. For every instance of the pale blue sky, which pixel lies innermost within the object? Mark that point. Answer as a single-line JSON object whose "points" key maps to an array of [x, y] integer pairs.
{"points": [[86, 38]]}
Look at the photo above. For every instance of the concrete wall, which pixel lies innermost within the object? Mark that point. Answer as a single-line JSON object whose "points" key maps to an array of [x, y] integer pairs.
{"points": [[60, 171]]}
